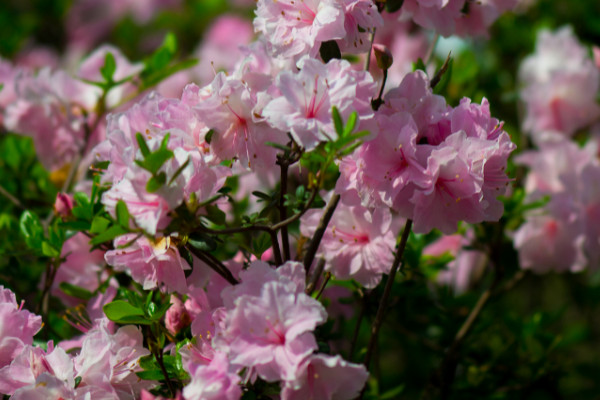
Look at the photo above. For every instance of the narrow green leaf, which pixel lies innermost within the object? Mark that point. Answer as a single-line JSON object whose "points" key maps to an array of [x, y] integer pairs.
{"points": [[75, 291], [350, 124], [108, 69], [154, 375], [179, 171], [99, 224], [156, 313], [261, 195], [142, 144], [337, 121], [49, 251], [156, 182], [215, 215], [122, 214], [109, 234], [202, 242], [278, 146]]}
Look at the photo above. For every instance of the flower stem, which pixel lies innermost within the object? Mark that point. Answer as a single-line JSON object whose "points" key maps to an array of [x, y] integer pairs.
{"points": [[386, 295]]}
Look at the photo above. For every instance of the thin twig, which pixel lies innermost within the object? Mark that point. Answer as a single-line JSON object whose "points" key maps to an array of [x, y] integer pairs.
{"points": [[276, 249], [314, 243], [386, 293], [325, 282], [361, 315], [314, 278], [285, 240], [214, 264], [12, 198]]}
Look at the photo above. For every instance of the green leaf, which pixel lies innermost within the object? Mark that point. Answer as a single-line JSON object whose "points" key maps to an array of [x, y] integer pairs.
{"points": [[83, 207], [156, 313], [278, 146], [179, 171], [108, 69], [122, 214], [99, 224], [420, 65], [142, 144], [109, 234], [337, 121], [214, 214], [441, 86], [260, 244], [202, 242], [75, 291], [350, 124], [261, 195], [330, 50], [49, 251], [122, 312], [32, 230], [153, 375], [156, 182]]}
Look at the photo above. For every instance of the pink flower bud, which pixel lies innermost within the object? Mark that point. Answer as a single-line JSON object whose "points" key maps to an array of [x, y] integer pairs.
{"points": [[596, 51], [383, 55], [177, 316], [63, 205]]}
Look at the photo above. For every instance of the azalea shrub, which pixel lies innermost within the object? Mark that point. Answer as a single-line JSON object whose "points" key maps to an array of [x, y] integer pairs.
{"points": [[299, 199]]}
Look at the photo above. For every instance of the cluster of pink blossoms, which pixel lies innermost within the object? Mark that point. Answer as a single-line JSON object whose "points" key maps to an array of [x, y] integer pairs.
{"points": [[104, 366], [445, 165], [561, 84], [422, 160]]}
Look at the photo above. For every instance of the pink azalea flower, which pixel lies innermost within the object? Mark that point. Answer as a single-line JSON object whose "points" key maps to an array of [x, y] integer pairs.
{"points": [[81, 268], [552, 242], [151, 263], [214, 381], [110, 361], [389, 169], [569, 175], [269, 325], [444, 166], [304, 108], [17, 326], [294, 28], [239, 132], [326, 377], [461, 17], [429, 111], [561, 83], [466, 267], [33, 362], [358, 243], [51, 107], [149, 210], [361, 17]]}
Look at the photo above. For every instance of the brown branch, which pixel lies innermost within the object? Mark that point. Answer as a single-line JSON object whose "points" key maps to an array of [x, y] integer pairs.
{"points": [[214, 264], [314, 243], [12, 198], [385, 298]]}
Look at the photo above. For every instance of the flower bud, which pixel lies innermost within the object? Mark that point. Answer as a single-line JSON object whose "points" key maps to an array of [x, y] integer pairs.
{"points": [[63, 205], [596, 51], [383, 56], [177, 316]]}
